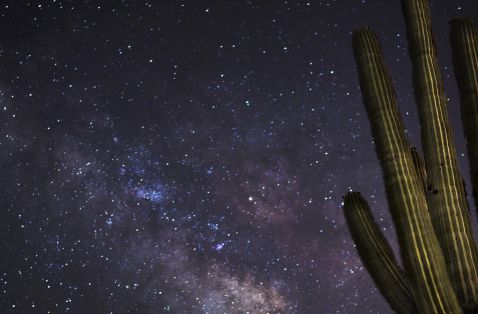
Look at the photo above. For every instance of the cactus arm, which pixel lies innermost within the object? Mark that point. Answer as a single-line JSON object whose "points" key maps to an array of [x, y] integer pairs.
{"points": [[377, 255], [420, 168], [446, 200], [464, 42], [423, 258]]}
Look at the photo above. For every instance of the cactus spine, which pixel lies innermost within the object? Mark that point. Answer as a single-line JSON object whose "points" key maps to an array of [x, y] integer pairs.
{"points": [[426, 197]]}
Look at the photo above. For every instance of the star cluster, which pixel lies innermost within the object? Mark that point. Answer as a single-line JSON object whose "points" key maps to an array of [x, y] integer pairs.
{"points": [[191, 156]]}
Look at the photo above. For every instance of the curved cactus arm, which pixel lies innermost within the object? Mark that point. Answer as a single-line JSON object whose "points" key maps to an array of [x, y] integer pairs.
{"points": [[464, 42], [446, 198], [420, 168], [377, 255], [423, 258]]}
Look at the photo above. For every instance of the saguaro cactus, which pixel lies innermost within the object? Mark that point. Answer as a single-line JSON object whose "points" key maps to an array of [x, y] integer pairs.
{"points": [[426, 196]]}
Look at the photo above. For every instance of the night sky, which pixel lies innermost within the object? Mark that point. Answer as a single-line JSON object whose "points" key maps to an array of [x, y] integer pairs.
{"points": [[191, 156]]}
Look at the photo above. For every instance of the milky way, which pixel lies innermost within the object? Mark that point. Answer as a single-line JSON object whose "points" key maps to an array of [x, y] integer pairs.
{"points": [[191, 156]]}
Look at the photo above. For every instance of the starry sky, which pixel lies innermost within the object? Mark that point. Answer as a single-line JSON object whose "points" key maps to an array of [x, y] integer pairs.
{"points": [[191, 156]]}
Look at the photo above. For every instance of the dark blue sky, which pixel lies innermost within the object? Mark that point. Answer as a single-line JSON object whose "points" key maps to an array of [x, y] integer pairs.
{"points": [[191, 156]]}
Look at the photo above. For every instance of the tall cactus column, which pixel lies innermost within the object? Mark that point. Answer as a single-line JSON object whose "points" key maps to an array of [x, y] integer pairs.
{"points": [[464, 41], [446, 196], [423, 258]]}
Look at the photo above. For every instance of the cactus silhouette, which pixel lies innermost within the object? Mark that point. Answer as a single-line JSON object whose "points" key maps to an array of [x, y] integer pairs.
{"points": [[426, 195]]}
